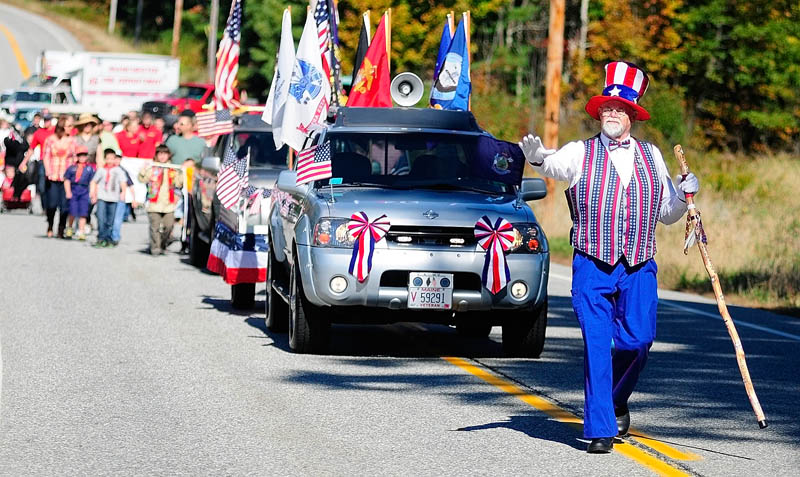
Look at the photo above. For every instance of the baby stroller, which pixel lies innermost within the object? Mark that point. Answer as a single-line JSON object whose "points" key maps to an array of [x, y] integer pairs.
{"points": [[18, 189]]}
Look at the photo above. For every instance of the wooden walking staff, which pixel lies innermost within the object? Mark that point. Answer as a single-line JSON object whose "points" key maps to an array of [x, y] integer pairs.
{"points": [[695, 233]]}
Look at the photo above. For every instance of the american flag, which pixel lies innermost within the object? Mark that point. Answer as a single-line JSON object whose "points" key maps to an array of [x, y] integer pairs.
{"points": [[232, 178], [314, 163], [324, 33], [211, 123], [228, 59]]}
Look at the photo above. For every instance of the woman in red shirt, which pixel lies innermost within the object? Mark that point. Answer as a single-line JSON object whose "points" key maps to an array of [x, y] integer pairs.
{"points": [[129, 140], [58, 153]]}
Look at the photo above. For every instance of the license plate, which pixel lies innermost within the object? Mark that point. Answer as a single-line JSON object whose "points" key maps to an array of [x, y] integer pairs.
{"points": [[430, 290]]}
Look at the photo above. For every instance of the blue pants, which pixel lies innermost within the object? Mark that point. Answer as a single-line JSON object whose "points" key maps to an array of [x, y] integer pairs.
{"points": [[105, 219], [616, 307], [119, 217]]}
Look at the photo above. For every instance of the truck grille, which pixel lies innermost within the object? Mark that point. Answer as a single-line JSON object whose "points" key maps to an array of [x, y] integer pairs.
{"points": [[461, 280], [456, 237]]}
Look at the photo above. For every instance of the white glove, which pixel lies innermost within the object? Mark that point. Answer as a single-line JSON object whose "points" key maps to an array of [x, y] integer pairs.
{"points": [[688, 184], [534, 151]]}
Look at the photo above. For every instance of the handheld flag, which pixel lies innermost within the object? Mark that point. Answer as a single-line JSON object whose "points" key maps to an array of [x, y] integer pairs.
{"points": [[444, 47], [228, 59], [371, 86], [314, 163], [212, 123], [232, 178], [453, 86], [309, 90], [279, 89]]}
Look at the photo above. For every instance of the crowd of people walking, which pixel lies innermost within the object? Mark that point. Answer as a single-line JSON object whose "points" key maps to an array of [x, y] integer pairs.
{"points": [[75, 167]]}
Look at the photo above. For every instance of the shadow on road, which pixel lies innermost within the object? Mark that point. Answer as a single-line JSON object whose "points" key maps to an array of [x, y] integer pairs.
{"points": [[536, 426]]}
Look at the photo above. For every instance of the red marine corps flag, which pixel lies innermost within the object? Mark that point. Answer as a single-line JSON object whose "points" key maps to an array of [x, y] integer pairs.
{"points": [[228, 59], [371, 86]]}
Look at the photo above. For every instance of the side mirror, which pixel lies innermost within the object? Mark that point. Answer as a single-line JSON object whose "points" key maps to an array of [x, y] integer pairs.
{"points": [[532, 189], [287, 181], [210, 163]]}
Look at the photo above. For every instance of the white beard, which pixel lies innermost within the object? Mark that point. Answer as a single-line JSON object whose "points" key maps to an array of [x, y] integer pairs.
{"points": [[613, 130]]}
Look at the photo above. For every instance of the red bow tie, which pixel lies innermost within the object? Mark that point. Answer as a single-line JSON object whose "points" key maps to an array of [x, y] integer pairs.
{"points": [[615, 144]]}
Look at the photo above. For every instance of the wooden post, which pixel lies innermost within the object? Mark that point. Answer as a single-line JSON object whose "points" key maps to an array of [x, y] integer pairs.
{"points": [[112, 17], [212, 41], [555, 58], [137, 31], [176, 27], [389, 40]]}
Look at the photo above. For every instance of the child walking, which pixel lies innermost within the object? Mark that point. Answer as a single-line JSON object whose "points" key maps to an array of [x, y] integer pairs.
{"points": [[76, 187], [107, 188], [164, 181]]}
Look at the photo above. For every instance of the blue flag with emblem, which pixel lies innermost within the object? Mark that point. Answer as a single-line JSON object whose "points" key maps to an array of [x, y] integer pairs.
{"points": [[444, 47], [453, 86]]}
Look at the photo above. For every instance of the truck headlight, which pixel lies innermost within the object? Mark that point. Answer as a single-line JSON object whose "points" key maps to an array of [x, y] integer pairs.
{"points": [[528, 238], [332, 232]]}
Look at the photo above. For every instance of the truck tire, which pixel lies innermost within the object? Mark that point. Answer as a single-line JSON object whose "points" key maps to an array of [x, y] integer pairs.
{"points": [[523, 337], [277, 310], [243, 296], [198, 250], [309, 332]]}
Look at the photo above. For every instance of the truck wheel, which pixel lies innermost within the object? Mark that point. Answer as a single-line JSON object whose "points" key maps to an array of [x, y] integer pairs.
{"points": [[198, 250], [243, 296], [523, 336], [309, 332], [277, 310], [472, 327]]}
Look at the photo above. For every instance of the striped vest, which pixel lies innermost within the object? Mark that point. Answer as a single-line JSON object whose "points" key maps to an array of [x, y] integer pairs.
{"points": [[609, 220]]}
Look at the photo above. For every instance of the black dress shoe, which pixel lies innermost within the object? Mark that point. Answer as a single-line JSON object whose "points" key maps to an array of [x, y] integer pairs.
{"points": [[600, 445], [623, 424]]}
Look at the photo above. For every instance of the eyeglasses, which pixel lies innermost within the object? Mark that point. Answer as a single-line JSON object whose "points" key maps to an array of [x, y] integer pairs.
{"points": [[617, 111]]}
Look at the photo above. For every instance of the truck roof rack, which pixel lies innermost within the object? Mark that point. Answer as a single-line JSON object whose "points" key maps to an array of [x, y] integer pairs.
{"points": [[407, 117]]}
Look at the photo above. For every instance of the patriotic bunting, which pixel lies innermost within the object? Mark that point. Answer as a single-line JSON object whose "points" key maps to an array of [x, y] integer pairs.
{"points": [[238, 258], [496, 239], [366, 235]]}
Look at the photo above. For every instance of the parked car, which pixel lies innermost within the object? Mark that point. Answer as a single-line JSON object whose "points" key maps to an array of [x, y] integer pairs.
{"points": [[249, 133], [419, 168], [192, 96]]}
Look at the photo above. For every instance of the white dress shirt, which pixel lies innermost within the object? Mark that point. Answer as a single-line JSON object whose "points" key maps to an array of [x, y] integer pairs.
{"points": [[566, 165]]}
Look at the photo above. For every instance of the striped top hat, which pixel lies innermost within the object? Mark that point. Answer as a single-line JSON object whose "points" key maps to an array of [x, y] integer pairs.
{"points": [[626, 83]]}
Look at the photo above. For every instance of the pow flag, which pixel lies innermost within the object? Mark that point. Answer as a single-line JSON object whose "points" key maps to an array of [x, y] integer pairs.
{"points": [[496, 238], [366, 235], [238, 258]]}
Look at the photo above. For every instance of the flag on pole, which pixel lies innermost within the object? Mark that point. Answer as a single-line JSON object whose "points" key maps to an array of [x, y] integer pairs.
{"points": [[279, 89], [232, 178], [453, 86], [212, 123], [444, 47], [363, 43], [314, 163], [309, 90], [336, 81], [371, 86], [228, 59], [322, 18]]}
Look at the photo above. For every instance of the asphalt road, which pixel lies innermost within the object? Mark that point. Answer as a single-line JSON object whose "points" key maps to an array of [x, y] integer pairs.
{"points": [[115, 362], [23, 36]]}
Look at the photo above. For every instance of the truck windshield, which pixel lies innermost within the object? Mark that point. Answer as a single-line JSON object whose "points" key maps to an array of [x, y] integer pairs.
{"points": [[32, 96], [262, 149], [189, 92], [411, 160]]}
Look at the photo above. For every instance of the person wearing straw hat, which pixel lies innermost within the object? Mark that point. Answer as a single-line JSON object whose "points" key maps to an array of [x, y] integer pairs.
{"points": [[87, 135], [619, 188]]}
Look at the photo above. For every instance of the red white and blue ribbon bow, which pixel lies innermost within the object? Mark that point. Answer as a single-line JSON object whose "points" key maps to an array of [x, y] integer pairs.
{"points": [[612, 144], [366, 235], [496, 239]]}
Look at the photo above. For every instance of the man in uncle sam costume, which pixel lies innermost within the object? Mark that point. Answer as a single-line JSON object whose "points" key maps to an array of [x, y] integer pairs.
{"points": [[619, 187]]}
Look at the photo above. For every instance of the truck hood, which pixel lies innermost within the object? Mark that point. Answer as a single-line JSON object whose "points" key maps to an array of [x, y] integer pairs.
{"points": [[440, 208]]}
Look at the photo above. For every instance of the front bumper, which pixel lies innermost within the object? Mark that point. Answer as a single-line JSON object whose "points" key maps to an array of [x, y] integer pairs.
{"points": [[320, 265]]}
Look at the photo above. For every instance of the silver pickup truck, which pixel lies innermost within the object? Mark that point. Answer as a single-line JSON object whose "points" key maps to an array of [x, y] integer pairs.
{"points": [[419, 222]]}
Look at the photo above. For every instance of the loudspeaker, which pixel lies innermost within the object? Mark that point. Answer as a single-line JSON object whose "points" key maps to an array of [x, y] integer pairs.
{"points": [[407, 89]]}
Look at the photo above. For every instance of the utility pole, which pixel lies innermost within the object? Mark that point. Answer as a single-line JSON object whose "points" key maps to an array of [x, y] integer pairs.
{"points": [[212, 41], [584, 30], [112, 17], [555, 59], [176, 27], [138, 30]]}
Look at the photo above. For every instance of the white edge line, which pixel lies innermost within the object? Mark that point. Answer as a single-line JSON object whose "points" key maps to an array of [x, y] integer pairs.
{"points": [[710, 315]]}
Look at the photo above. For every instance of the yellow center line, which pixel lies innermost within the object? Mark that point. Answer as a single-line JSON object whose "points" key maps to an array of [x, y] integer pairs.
{"points": [[23, 65], [561, 415]]}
